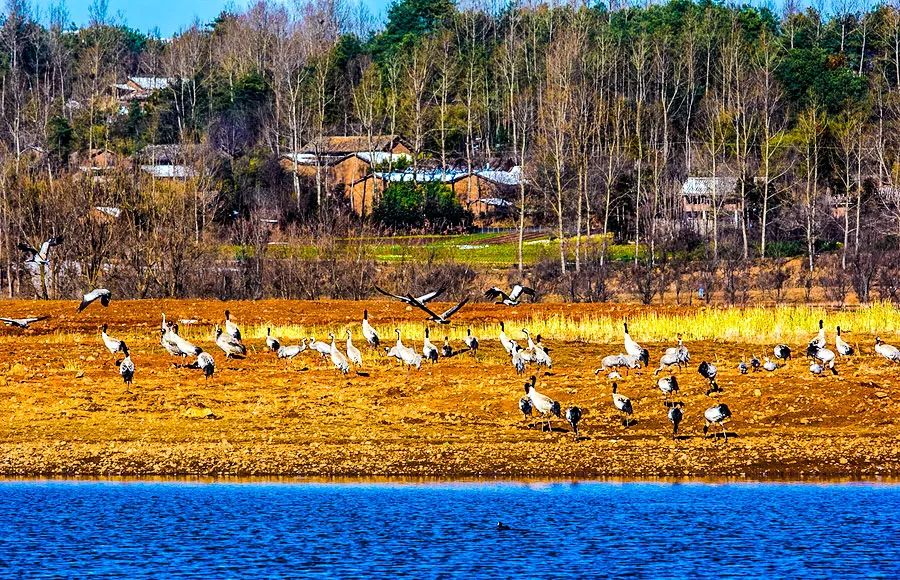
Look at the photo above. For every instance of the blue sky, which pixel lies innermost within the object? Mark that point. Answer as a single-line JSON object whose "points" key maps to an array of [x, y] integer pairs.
{"points": [[166, 15]]}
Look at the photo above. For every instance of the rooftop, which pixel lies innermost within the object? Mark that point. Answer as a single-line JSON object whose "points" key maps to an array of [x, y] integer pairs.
{"points": [[350, 144], [169, 171], [706, 185]]}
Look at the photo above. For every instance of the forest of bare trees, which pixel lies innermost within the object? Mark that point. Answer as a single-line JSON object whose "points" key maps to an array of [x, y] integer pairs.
{"points": [[788, 116]]}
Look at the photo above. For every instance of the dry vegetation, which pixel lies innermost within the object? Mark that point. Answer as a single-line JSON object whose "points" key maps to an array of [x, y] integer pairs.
{"points": [[66, 410]]}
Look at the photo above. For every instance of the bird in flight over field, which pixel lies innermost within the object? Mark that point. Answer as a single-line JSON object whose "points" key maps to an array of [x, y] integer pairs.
{"points": [[22, 322], [40, 256], [102, 293], [408, 299], [511, 299], [443, 318]]}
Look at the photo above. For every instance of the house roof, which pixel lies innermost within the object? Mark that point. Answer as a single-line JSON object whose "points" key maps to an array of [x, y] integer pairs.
{"points": [[511, 177], [158, 154], [111, 211], [349, 144], [381, 157], [152, 83], [372, 158], [300, 158], [705, 185], [495, 201], [422, 175], [506, 178], [169, 171]]}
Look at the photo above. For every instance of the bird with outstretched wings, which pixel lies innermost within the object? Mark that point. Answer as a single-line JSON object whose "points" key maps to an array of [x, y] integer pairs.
{"points": [[443, 318], [511, 299], [408, 299], [100, 293], [40, 256], [22, 322]]}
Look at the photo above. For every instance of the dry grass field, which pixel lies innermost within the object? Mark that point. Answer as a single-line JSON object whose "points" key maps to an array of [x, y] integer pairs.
{"points": [[64, 410]]}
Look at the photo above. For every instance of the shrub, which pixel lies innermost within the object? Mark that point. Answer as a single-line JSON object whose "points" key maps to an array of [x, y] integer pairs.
{"points": [[408, 205], [772, 277], [835, 283], [889, 278], [441, 207], [400, 206], [863, 270]]}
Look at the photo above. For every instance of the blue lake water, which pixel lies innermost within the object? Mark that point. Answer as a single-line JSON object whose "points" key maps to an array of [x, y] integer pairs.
{"points": [[557, 530]]}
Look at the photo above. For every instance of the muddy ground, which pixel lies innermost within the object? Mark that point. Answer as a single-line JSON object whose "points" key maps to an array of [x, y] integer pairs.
{"points": [[64, 409]]}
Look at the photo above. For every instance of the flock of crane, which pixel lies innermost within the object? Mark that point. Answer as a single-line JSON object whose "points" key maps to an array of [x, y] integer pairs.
{"points": [[230, 341]]}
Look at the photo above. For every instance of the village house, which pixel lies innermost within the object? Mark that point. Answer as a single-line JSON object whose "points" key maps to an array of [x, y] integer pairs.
{"points": [[485, 193], [140, 88], [96, 161], [360, 169], [345, 159], [165, 162], [697, 195], [343, 145]]}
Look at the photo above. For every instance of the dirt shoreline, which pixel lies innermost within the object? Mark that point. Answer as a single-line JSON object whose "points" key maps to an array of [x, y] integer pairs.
{"points": [[64, 411], [760, 459]]}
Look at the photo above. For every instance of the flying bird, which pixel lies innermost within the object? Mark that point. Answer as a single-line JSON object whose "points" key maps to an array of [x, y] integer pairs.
{"points": [[409, 299], [40, 256], [102, 293], [443, 318], [511, 299], [22, 322]]}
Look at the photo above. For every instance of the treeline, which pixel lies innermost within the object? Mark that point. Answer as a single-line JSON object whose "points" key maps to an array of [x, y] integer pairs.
{"points": [[607, 108]]}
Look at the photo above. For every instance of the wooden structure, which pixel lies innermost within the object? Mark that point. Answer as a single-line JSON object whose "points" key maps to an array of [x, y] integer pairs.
{"points": [[486, 193], [140, 88], [701, 196]]}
